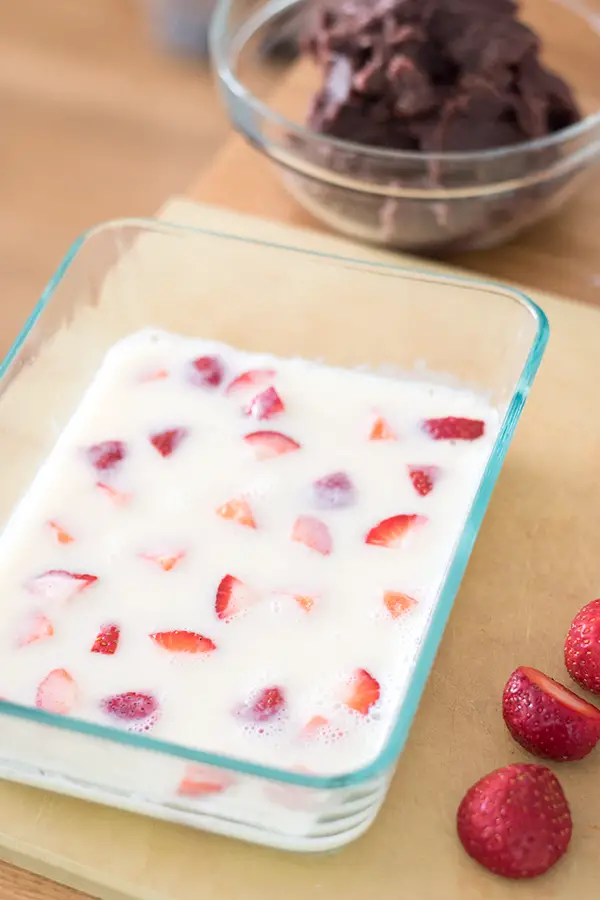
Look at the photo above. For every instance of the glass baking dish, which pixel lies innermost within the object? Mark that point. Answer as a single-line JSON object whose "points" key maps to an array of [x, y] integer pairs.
{"points": [[126, 275]]}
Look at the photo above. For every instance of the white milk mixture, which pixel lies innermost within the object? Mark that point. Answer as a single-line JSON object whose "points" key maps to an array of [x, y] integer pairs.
{"points": [[244, 565]]}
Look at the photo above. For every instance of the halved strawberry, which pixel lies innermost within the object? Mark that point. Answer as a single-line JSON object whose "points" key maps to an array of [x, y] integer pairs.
{"points": [[182, 642], [59, 585], [37, 628], [233, 597], [454, 428], [253, 378], [364, 692], [107, 640], [106, 455], [206, 371], [62, 536], [267, 444], [57, 693], [239, 511], [166, 561], [267, 704], [266, 404], [423, 478], [201, 781], [118, 497], [131, 706], [313, 533], [334, 491], [391, 532], [398, 604], [382, 430], [168, 441]]}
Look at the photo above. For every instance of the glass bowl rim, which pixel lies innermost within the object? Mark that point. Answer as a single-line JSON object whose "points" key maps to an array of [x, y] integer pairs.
{"points": [[221, 43], [396, 738]]}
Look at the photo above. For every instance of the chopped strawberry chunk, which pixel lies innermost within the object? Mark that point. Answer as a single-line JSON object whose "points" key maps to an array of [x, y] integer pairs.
{"points": [[364, 692], [305, 602], [166, 561], [269, 703], [57, 693], [313, 533], [381, 430], [454, 428], [154, 375], [106, 455], [239, 511], [201, 781], [183, 642], [107, 640], [37, 628], [390, 532], [233, 597], [334, 491], [118, 497], [267, 444], [253, 378], [168, 441], [62, 536], [320, 727], [58, 584], [423, 478], [266, 404], [398, 604], [206, 371], [130, 705]]}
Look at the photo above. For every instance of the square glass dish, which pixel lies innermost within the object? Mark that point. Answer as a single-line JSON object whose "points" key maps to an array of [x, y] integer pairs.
{"points": [[129, 275]]}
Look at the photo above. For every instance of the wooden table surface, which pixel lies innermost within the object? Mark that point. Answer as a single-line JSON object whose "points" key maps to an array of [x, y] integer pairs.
{"points": [[560, 255]]}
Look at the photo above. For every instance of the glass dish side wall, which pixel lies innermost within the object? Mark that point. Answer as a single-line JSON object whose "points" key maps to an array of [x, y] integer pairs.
{"points": [[124, 276]]}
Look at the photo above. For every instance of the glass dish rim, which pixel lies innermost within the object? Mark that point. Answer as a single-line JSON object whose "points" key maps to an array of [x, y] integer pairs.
{"points": [[396, 739], [219, 40]]}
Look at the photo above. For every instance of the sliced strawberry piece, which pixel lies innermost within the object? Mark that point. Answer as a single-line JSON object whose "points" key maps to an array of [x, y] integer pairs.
{"points": [[398, 604], [423, 478], [118, 497], [253, 378], [62, 536], [548, 719], [233, 597], [238, 510], [154, 375], [382, 430], [320, 727], [107, 455], [267, 444], [364, 692], [391, 532], [206, 371], [582, 647], [59, 585], [516, 821], [182, 642], [268, 704], [166, 561], [131, 706], [334, 491], [37, 628], [57, 693], [168, 441], [266, 404], [107, 640], [454, 428], [313, 533], [202, 781]]}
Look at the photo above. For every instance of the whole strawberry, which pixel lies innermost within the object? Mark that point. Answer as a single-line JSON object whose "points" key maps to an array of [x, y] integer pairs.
{"points": [[548, 719], [515, 821], [582, 647]]}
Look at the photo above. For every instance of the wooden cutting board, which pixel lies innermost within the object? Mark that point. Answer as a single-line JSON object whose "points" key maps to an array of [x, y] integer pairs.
{"points": [[535, 563]]}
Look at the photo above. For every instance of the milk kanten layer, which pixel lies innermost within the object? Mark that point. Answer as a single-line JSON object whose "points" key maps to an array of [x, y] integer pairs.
{"points": [[238, 553]]}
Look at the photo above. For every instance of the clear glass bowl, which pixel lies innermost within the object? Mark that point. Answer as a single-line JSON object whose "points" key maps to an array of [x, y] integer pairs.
{"points": [[428, 203], [126, 275]]}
